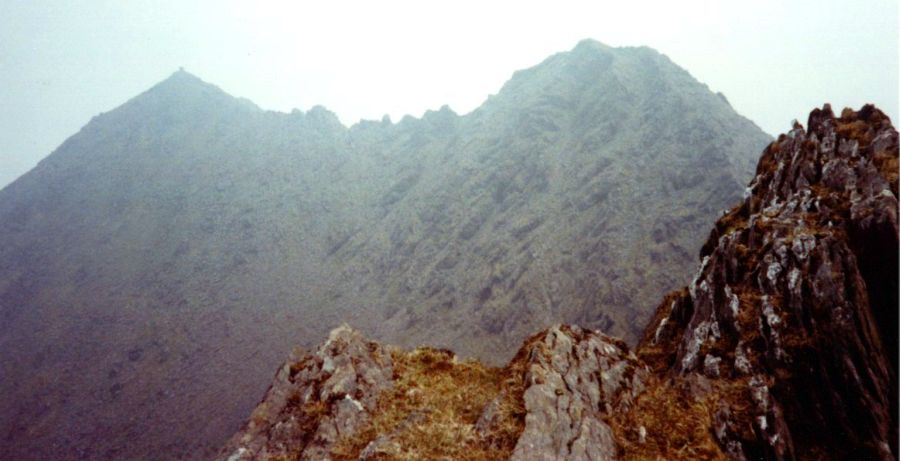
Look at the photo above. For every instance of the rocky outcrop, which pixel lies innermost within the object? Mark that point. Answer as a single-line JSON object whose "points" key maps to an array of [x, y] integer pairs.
{"points": [[315, 399], [783, 347], [351, 400], [793, 311], [574, 379]]}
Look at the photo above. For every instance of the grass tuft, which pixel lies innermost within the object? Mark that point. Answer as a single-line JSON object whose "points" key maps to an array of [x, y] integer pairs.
{"points": [[432, 410], [676, 427]]}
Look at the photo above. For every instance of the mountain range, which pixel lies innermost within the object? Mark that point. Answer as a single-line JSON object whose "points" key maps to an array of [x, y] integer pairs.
{"points": [[782, 347], [157, 266]]}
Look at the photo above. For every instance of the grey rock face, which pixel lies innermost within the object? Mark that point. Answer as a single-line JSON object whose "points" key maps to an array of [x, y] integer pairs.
{"points": [[314, 400], [574, 378], [795, 302]]}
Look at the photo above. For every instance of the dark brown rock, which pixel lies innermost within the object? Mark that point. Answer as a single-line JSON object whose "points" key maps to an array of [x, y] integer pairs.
{"points": [[794, 307]]}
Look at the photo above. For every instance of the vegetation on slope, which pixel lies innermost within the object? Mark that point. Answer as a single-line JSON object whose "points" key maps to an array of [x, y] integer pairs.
{"points": [[433, 411]]}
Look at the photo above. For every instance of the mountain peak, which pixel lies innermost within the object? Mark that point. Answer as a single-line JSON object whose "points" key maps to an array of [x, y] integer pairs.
{"points": [[183, 75], [224, 232], [183, 94], [182, 80], [593, 45]]}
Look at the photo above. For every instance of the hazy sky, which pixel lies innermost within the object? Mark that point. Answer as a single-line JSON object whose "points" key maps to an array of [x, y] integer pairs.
{"points": [[62, 62]]}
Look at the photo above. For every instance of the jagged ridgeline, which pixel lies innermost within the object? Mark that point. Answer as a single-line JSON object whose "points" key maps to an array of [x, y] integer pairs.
{"points": [[156, 267], [783, 347]]}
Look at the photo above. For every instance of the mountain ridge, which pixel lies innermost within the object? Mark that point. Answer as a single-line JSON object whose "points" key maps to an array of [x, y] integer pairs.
{"points": [[773, 351], [160, 260]]}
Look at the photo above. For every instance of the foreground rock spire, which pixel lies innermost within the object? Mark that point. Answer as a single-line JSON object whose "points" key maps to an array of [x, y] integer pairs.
{"points": [[794, 309], [783, 347], [315, 399]]}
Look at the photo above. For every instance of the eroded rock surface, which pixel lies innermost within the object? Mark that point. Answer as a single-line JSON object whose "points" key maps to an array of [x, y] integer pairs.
{"points": [[574, 378], [783, 347], [794, 309], [315, 399]]}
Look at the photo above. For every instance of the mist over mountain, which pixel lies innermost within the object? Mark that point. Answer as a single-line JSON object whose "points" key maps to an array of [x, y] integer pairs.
{"points": [[782, 347], [156, 266]]}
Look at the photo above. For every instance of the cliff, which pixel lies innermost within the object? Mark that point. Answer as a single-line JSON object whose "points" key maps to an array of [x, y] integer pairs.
{"points": [[783, 347]]}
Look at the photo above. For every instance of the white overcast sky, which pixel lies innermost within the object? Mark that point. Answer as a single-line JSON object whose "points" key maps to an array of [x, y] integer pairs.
{"points": [[62, 62]]}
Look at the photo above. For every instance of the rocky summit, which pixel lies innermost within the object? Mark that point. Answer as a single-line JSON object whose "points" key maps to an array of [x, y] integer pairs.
{"points": [[782, 347], [161, 260], [793, 313]]}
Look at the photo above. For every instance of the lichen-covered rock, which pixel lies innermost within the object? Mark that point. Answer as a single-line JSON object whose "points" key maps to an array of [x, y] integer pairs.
{"points": [[574, 378], [314, 400], [794, 308]]}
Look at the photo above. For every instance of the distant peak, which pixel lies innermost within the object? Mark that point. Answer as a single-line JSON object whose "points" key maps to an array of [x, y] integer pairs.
{"points": [[591, 44], [444, 112], [183, 89], [184, 81], [183, 75]]}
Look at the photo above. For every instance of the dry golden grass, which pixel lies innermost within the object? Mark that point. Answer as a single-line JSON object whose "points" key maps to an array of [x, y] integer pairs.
{"points": [[432, 409], [660, 355], [677, 428], [889, 166]]}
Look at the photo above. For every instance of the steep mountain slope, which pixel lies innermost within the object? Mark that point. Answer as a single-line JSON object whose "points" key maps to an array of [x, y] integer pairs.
{"points": [[793, 314], [783, 346], [576, 189], [160, 260]]}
